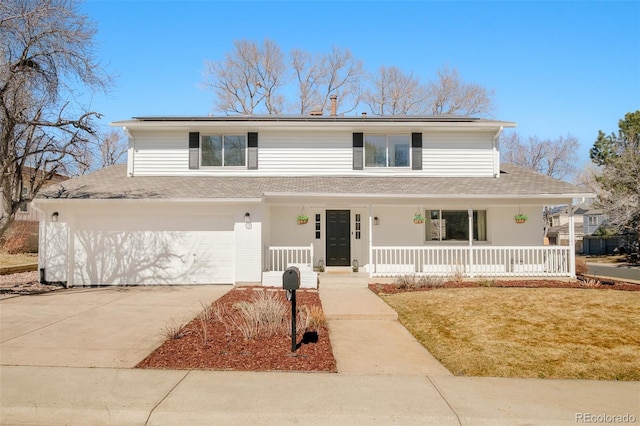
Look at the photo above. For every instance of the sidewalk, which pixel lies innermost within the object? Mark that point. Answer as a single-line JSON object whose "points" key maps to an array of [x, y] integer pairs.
{"points": [[385, 377]]}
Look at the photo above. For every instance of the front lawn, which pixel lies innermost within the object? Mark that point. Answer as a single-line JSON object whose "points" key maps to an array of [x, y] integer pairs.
{"points": [[7, 259], [527, 332]]}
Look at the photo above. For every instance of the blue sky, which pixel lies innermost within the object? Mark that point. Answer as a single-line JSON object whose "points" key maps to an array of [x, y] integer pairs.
{"points": [[557, 67]]}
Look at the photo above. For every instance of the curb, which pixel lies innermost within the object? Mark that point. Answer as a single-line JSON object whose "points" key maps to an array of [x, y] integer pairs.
{"points": [[5, 270]]}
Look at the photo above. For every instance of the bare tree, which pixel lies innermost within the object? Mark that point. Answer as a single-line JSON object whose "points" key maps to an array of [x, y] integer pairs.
{"points": [[112, 146], [395, 93], [46, 50], [556, 158], [449, 95], [320, 76], [308, 69], [247, 81]]}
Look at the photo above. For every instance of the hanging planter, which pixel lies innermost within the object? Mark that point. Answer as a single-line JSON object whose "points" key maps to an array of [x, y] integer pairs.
{"points": [[520, 218], [418, 218], [302, 218]]}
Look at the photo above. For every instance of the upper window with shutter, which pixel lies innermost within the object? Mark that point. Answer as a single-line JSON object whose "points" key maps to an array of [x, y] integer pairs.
{"points": [[223, 151], [387, 151]]}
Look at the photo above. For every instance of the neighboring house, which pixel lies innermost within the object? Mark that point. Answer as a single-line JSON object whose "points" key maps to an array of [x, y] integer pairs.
{"points": [[593, 219], [26, 212], [600, 244], [558, 231], [216, 200]]}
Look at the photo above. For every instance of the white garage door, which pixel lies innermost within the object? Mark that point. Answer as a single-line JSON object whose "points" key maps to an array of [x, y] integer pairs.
{"points": [[153, 249]]}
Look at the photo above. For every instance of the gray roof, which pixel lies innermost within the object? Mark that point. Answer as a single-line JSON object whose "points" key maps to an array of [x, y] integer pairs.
{"points": [[113, 183]]}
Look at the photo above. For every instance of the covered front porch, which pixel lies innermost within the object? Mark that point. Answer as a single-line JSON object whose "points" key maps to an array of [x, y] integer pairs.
{"points": [[383, 240]]}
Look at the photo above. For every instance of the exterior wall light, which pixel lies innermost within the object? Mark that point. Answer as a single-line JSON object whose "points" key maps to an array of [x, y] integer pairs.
{"points": [[376, 221], [54, 217]]}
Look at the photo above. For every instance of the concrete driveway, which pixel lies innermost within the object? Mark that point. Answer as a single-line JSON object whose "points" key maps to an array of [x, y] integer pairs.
{"points": [[95, 327]]}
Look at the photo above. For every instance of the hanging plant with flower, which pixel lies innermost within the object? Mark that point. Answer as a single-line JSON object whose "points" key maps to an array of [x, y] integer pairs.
{"points": [[302, 219], [418, 218], [520, 218]]}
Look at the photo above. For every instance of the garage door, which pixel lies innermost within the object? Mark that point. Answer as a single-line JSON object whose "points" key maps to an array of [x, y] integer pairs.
{"points": [[120, 250]]}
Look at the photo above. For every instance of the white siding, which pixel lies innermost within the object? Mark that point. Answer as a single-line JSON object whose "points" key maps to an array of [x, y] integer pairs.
{"points": [[161, 153], [314, 153], [457, 154], [309, 152], [248, 245]]}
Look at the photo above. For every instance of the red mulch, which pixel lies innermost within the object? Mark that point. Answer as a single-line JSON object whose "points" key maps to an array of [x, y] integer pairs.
{"points": [[226, 348], [580, 283]]}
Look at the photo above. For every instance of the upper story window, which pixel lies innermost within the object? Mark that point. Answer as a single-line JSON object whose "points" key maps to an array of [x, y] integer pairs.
{"points": [[593, 220], [444, 225], [223, 151], [387, 151]]}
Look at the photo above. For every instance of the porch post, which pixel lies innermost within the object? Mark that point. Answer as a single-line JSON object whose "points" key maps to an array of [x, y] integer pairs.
{"points": [[572, 242], [370, 243], [470, 262]]}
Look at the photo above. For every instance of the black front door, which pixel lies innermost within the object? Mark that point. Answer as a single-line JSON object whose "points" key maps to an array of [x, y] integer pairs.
{"points": [[338, 238]]}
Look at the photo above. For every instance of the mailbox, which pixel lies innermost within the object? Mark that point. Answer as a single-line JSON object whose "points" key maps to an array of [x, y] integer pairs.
{"points": [[291, 278]]}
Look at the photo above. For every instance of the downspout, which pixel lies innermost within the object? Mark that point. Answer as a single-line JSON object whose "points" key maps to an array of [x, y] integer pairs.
{"points": [[496, 153], [130, 151]]}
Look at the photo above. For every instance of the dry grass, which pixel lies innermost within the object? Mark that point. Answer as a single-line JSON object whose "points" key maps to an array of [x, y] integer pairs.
{"points": [[7, 259], [516, 332]]}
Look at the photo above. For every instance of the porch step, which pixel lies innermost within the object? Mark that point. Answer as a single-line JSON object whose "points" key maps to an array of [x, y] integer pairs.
{"points": [[349, 303]]}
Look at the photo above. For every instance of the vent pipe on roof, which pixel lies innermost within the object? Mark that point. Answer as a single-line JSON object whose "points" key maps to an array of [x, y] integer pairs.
{"points": [[334, 105], [364, 114]]}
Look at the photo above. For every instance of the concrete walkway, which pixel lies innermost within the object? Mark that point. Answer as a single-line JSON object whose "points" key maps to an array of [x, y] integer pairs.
{"points": [[385, 377]]}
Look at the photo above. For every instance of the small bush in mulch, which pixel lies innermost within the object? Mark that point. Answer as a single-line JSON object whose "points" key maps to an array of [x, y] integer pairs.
{"points": [[582, 282], [249, 329]]}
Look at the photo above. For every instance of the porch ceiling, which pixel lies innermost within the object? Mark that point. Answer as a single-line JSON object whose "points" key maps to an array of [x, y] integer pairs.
{"points": [[514, 183]]}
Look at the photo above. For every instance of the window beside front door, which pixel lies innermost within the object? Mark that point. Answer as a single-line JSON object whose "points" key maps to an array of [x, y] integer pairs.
{"points": [[453, 225]]}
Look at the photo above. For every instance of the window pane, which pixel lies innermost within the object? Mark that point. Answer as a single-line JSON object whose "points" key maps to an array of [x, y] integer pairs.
{"points": [[456, 225], [375, 151], [398, 151], [433, 225], [234, 150], [211, 151]]}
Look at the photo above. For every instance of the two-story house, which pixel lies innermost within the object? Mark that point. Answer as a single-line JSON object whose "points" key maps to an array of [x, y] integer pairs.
{"points": [[217, 200]]}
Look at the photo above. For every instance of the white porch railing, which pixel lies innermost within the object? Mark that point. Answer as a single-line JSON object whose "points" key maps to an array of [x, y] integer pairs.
{"points": [[471, 261], [280, 258]]}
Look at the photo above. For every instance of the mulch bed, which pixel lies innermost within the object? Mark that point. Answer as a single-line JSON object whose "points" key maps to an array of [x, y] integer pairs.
{"points": [[581, 282], [227, 349]]}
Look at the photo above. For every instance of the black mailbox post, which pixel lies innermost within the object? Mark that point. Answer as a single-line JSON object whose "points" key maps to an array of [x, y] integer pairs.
{"points": [[291, 282]]}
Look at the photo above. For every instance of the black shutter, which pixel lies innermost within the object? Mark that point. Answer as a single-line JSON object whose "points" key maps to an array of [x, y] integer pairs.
{"points": [[194, 150], [416, 151], [252, 151], [358, 145]]}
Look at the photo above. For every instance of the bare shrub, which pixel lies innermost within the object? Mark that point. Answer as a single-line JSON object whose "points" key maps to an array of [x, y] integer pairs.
{"points": [[430, 281], [265, 316], [413, 281], [174, 331], [591, 283], [22, 237], [581, 267], [405, 282], [486, 282], [316, 318]]}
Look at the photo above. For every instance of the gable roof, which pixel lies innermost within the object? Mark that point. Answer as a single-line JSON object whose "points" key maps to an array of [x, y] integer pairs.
{"points": [[113, 183]]}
